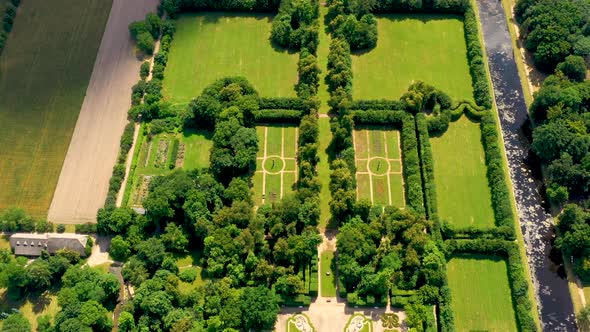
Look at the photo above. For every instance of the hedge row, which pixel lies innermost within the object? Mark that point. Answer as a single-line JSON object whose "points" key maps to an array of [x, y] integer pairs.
{"points": [[286, 103], [427, 164], [7, 22], [277, 116], [411, 161], [173, 7], [441, 119], [119, 169], [377, 104], [411, 6], [356, 301], [173, 153], [502, 232], [496, 175], [516, 274], [372, 117], [481, 88]]}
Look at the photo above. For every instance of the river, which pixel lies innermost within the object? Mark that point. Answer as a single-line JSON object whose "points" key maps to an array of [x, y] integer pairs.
{"points": [[551, 289]]}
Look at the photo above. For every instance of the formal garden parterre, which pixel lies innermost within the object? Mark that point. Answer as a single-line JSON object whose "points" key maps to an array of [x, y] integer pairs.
{"points": [[424, 113], [252, 246]]}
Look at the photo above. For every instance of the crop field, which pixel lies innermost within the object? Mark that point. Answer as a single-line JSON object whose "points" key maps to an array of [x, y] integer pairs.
{"points": [[210, 46], [379, 166], [155, 158], [53, 59], [429, 48], [276, 166], [463, 195], [481, 294]]}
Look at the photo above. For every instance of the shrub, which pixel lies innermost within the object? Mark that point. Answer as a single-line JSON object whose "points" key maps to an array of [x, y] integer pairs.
{"points": [[173, 154], [61, 228], [145, 42], [412, 173], [481, 89], [574, 67], [188, 275], [144, 70], [87, 228]]}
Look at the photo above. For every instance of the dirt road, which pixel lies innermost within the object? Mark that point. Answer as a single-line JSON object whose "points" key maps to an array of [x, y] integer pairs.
{"points": [[84, 179]]}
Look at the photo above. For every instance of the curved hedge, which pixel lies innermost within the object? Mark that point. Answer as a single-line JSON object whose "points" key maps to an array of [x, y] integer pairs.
{"points": [[516, 273]]}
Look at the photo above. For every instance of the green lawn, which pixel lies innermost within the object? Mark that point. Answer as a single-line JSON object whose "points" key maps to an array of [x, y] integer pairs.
{"points": [[30, 307], [463, 194], [276, 168], [481, 294], [325, 137], [197, 146], [327, 282], [210, 46], [44, 72], [430, 48]]}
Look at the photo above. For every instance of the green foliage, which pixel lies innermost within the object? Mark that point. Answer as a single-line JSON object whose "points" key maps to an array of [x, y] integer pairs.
{"points": [[16, 220], [477, 67], [145, 32], [173, 153], [144, 70], [119, 249], [16, 323], [574, 67], [550, 27], [357, 26], [296, 25]]}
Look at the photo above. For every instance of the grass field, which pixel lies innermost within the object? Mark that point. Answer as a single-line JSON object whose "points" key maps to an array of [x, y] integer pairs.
{"points": [[30, 307], [276, 167], [463, 194], [44, 72], [327, 282], [379, 166], [430, 48], [210, 46], [481, 294], [154, 155]]}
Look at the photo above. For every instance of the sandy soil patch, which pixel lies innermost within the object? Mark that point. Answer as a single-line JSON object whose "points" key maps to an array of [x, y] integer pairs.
{"points": [[84, 179]]}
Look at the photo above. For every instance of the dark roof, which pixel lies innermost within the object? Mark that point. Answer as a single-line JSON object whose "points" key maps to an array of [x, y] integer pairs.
{"points": [[30, 244]]}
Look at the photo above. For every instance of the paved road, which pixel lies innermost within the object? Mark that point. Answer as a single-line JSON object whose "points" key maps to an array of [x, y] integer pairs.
{"points": [[84, 179], [553, 297]]}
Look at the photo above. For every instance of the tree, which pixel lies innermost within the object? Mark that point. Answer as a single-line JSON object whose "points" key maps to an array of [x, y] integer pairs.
{"points": [[152, 253], [289, 285], [126, 322], [145, 42], [16, 323], [259, 308], [119, 249], [94, 315], [38, 275], [574, 67], [174, 239], [44, 323]]}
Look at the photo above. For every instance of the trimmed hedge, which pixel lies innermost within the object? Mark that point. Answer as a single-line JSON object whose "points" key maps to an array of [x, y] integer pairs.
{"points": [[173, 7], [412, 6], [411, 160], [381, 104], [277, 116], [285, 103], [173, 153], [481, 88], [516, 274], [373, 117]]}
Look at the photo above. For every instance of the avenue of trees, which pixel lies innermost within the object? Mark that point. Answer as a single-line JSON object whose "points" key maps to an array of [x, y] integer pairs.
{"points": [[574, 226], [554, 29]]}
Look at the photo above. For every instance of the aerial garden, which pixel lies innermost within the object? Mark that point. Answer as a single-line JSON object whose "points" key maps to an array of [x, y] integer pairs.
{"points": [[419, 194]]}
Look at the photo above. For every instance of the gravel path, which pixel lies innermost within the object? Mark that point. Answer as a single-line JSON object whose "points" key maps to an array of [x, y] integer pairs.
{"points": [[84, 179]]}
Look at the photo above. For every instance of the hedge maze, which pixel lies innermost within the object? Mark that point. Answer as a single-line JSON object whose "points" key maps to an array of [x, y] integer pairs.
{"points": [[276, 165]]}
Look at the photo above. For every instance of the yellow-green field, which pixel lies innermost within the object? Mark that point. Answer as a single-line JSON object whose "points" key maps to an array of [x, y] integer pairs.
{"points": [[209, 46], [481, 296], [379, 166], [276, 165], [44, 72], [429, 48], [462, 191]]}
